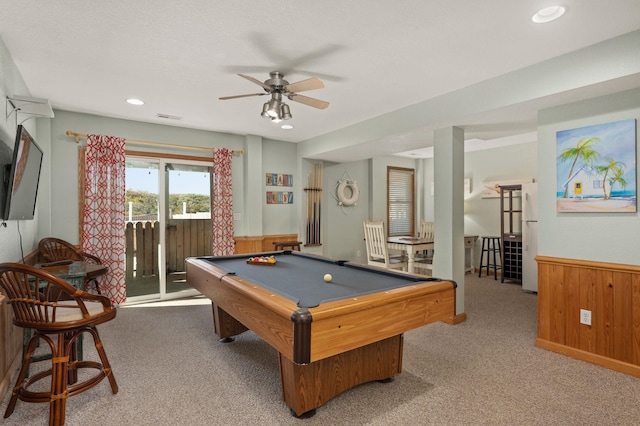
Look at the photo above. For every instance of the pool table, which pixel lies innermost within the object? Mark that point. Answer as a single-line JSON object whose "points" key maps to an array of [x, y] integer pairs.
{"points": [[330, 336]]}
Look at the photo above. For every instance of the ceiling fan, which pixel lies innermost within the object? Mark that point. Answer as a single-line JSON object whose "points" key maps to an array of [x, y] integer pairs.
{"points": [[278, 87]]}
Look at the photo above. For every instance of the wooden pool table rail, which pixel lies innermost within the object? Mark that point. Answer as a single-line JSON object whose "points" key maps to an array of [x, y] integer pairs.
{"points": [[330, 348], [336, 326]]}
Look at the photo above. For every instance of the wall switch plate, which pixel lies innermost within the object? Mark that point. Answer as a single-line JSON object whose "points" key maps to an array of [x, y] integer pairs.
{"points": [[585, 317]]}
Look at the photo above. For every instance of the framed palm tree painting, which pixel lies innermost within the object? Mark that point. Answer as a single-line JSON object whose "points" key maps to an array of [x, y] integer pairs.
{"points": [[596, 168]]}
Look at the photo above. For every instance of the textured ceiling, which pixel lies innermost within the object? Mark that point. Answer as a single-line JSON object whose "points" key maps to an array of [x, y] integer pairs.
{"points": [[374, 56]]}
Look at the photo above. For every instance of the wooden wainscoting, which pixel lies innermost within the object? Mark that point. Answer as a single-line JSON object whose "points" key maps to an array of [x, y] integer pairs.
{"points": [[261, 243], [10, 346], [11, 336], [610, 291]]}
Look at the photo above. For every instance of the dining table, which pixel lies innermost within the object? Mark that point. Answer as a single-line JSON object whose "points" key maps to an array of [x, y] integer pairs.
{"points": [[410, 245]]}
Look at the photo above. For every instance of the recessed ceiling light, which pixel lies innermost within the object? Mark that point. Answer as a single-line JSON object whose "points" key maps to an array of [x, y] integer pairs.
{"points": [[548, 14], [134, 101], [286, 127]]}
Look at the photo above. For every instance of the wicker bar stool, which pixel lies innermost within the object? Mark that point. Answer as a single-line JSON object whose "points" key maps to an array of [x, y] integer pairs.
{"points": [[58, 314]]}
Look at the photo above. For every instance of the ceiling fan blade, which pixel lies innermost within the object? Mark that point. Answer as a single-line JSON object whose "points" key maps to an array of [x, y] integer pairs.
{"points": [[316, 103], [224, 98], [304, 85], [258, 82]]}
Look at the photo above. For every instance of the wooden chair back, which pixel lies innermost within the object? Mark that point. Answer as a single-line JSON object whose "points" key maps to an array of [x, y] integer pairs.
{"points": [[42, 301], [426, 230], [377, 250], [54, 250], [424, 259]]}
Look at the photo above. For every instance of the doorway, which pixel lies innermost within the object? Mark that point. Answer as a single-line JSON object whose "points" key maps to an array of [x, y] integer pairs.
{"points": [[168, 219]]}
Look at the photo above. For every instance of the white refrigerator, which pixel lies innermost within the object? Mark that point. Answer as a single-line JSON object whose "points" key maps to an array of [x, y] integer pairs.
{"points": [[529, 237]]}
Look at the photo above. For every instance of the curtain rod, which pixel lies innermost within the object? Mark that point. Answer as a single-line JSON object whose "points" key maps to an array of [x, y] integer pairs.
{"points": [[172, 145]]}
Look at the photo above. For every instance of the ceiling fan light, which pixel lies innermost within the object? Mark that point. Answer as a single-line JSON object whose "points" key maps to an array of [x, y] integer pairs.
{"points": [[265, 109], [276, 119], [273, 108], [286, 112]]}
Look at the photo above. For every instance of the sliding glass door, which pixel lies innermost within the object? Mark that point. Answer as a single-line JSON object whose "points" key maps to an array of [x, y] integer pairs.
{"points": [[188, 213], [168, 219]]}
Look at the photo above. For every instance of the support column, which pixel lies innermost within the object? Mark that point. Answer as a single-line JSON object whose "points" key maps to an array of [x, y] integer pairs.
{"points": [[449, 254], [253, 190]]}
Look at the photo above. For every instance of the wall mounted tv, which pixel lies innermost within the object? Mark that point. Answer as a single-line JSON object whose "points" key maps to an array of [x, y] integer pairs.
{"points": [[21, 178]]}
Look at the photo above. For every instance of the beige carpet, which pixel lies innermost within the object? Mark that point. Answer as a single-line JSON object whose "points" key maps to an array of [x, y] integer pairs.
{"points": [[172, 371]]}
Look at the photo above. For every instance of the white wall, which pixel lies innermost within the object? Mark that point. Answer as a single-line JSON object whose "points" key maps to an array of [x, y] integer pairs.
{"points": [[482, 215], [19, 237], [343, 235], [280, 157], [604, 237], [64, 158]]}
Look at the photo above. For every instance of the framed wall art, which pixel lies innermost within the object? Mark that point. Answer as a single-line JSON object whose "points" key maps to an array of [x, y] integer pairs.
{"points": [[279, 179], [279, 197], [596, 168]]}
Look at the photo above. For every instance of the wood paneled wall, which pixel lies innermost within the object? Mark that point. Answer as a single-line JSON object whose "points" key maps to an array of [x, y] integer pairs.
{"points": [[610, 291], [11, 336], [261, 243], [10, 346]]}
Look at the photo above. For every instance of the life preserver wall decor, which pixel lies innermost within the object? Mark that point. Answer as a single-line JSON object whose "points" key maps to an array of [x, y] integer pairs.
{"points": [[347, 193], [341, 192]]}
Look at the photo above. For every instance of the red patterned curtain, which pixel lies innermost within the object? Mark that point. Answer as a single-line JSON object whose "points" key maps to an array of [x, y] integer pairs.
{"points": [[103, 233], [222, 207]]}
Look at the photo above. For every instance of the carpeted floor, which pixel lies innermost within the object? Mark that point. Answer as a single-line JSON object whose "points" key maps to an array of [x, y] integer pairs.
{"points": [[171, 370]]}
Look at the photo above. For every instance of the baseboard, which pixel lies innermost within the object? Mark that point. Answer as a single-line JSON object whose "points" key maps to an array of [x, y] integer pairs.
{"points": [[610, 363], [456, 319]]}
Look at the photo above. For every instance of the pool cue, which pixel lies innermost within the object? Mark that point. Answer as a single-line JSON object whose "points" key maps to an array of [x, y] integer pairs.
{"points": [[309, 209], [317, 186], [319, 198]]}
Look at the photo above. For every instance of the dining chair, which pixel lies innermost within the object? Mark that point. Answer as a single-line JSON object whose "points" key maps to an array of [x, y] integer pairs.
{"points": [[54, 250], [377, 250], [424, 258], [58, 314]]}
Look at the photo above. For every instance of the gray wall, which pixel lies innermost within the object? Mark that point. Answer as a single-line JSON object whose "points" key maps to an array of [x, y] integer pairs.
{"points": [[605, 237]]}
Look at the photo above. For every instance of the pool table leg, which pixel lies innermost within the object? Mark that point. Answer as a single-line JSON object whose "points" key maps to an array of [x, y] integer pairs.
{"points": [[224, 325], [308, 386]]}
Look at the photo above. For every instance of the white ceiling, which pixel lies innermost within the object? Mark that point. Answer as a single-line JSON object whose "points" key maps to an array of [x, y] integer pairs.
{"points": [[374, 56]]}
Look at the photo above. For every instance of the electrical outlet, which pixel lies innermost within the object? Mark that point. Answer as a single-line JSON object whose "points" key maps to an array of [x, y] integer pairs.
{"points": [[585, 317]]}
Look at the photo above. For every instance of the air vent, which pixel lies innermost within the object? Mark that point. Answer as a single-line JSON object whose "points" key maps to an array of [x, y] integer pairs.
{"points": [[169, 116]]}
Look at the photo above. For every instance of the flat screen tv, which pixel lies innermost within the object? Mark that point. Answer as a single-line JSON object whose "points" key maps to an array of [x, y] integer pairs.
{"points": [[21, 178]]}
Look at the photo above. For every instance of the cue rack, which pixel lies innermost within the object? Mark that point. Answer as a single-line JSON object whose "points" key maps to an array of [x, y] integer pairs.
{"points": [[314, 201]]}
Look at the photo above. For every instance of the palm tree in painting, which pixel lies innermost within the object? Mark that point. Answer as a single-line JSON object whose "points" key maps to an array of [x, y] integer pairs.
{"points": [[617, 178], [617, 169], [583, 152]]}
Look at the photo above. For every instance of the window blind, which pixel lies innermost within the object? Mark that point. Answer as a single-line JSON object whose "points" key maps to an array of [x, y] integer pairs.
{"points": [[400, 201]]}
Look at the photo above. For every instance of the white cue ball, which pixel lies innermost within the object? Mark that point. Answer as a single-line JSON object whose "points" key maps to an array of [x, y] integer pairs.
{"points": [[328, 277]]}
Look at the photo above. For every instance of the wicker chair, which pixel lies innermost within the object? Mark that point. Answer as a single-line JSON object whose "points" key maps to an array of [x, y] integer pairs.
{"points": [[55, 250], [58, 314]]}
